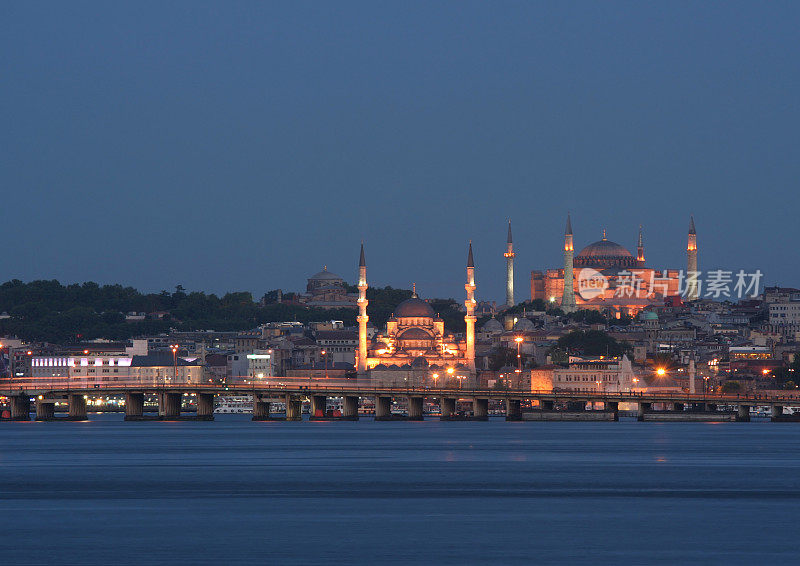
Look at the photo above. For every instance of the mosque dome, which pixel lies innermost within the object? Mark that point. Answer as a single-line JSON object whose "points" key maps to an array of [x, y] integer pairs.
{"points": [[414, 334], [604, 253], [524, 325], [492, 326], [325, 275], [648, 315], [414, 308]]}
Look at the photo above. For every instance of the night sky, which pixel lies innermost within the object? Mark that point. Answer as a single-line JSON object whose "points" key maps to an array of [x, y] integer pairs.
{"points": [[242, 146]]}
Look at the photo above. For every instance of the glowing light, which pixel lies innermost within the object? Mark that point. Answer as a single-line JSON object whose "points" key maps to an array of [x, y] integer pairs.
{"points": [[518, 339], [552, 299], [450, 371], [661, 371], [765, 371]]}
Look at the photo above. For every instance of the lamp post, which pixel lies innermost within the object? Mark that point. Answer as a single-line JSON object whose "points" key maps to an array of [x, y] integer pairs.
{"points": [[435, 377], [174, 348], [325, 355]]}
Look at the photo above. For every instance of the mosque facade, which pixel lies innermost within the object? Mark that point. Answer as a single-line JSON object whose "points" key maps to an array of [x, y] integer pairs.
{"points": [[605, 276], [415, 347]]}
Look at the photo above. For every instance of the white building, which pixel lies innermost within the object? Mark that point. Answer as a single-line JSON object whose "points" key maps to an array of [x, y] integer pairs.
{"points": [[257, 364], [784, 314], [153, 369]]}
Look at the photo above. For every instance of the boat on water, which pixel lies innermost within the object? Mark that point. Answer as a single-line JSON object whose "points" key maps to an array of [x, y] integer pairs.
{"points": [[234, 404]]}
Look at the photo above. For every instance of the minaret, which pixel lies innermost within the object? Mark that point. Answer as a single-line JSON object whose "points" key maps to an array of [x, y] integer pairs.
{"points": [[640, 248], [568, 295], [509, 255], [361, 362], [692, 275], [470, 318]]}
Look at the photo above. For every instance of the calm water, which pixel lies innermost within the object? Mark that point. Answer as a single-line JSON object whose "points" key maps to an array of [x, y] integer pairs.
{"points": [[234, 491]]}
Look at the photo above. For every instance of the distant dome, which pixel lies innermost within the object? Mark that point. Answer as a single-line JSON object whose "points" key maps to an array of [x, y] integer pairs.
{"points": [[604, 253], [524, 324], [648, 315], [325, 275], [492, 326], [413, 307]]}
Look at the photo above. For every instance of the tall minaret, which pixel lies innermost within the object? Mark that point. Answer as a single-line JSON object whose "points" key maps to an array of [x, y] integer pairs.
{"points": [[568, 295], [470, 318], [361, 362], [509, 255], [640, 248], [692, 275]]}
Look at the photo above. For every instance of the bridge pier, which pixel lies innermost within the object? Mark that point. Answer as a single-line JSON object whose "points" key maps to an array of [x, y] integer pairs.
{"points": [[777, 412], [260, 409], [45, 410], [134, 406], [447, 408], [546, 405], [205, 406], [294, 408], [743, 414], [415, 409], [169, 405], [383, 408], [677, 406], [319, 404], [350, 408], [513, 410], [643, 408], [20, 408], [480, 409], [77, 408], [613, 407]]}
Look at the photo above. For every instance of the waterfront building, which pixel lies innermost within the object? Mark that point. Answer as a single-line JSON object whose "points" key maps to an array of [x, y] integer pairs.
{"points": [[597, 374]]}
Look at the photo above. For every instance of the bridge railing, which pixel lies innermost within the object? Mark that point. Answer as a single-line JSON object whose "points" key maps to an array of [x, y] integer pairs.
{"points": [[338, 387]]}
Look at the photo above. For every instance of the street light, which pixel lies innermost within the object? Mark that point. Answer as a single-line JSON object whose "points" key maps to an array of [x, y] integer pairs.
{"points": [[174, 348], [518, 340], [435, 376], [325, 355], [661, 372]]}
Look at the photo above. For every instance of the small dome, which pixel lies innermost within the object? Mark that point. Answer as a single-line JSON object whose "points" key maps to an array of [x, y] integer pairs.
{"points": [[492, 326], [524, 324], [413, 307], [648, 315]]}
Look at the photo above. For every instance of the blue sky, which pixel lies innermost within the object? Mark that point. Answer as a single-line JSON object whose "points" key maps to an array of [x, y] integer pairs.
{"points": [[242, 146]]}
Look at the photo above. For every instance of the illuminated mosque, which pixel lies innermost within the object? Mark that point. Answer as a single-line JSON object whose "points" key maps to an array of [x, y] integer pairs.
{"points": [[606, 276], [415, 344]]}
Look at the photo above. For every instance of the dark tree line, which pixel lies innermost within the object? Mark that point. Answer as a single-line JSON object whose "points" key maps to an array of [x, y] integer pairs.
{"points": [[48, 311]]}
